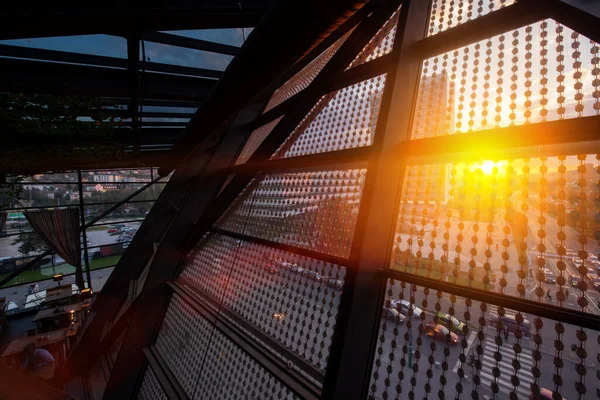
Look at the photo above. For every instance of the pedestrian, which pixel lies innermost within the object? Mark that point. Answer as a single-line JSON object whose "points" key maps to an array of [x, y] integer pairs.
{"points": [[38, 362], [548, 295], [566, 294], [506, 333]]}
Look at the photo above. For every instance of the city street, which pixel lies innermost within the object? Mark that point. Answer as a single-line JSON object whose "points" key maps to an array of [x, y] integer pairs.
{"points": [[392, 340]]}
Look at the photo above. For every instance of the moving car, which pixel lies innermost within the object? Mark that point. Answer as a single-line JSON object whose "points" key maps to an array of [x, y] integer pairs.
{"points": [[392, 315], [549, 276], [439, 332], [574, 280], [403, 306], [510, 322], [314, 275], [450, 322], [335, 283], [270, 268]]}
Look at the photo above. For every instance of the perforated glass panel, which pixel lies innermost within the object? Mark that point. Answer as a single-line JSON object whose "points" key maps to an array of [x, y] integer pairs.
{"points": [[306, 75], [536, 73], [291, 299], [525, 227], [255, 140], [381, 44], [316, 210], [151, 388], [231, 374], [448, 14], [182, 341], [341, 120]]}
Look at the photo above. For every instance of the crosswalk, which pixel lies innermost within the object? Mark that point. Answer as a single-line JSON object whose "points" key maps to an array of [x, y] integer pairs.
{"points": [[505, 365], [493, 311]]}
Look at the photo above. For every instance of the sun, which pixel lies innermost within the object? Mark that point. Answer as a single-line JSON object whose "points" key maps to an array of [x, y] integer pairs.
{"points": [[487, 167]]}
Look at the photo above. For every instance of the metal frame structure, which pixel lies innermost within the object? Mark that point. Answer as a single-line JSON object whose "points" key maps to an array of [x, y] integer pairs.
{"points": [[197, 201]]}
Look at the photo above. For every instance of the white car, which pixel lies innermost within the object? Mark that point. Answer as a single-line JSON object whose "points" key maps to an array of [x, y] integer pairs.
{"points": [[403, 306]]}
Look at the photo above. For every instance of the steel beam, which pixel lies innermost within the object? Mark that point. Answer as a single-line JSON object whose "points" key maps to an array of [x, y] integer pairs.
{"points": [[271, 40], [190, 43], [100, 61], [20, 20], [495, 23], [348, 372], [29, 76]]}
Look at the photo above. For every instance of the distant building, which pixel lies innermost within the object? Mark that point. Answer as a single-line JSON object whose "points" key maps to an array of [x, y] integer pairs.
{"points": [[87, 194], [434, 116], [104, 178], [50, 195], [74, 196]]}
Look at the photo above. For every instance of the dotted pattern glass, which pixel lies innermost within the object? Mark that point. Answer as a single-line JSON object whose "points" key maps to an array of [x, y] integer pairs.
{"points": [[96, 382], [316, 210], [344, 119], [292, 299], [180, 344], [232, 374], [524, 227], [448, 14], [151, 388], [447, 346], [536, 73], [305, 76], [255, 140], [381, 44]]}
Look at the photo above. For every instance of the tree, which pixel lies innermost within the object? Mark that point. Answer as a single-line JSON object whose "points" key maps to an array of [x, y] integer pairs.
{"points": [[29, 244]]}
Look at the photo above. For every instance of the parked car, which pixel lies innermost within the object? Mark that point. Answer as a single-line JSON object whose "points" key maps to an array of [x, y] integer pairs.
{"points": [[596, 283], [440, 332], [510, 322], [112, 230], [450, 322], [403, 306], [393, 315]]}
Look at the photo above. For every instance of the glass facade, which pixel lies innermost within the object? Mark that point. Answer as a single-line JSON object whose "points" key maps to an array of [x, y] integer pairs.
{"points": [[428, 228]]}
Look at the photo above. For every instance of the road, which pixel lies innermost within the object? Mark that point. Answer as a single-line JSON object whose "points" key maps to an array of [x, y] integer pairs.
{"points": [[497, 357]]}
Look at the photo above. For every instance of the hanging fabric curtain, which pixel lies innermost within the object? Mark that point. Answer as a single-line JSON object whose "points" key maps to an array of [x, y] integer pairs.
{"points": [[60, 231], [3, 216]]}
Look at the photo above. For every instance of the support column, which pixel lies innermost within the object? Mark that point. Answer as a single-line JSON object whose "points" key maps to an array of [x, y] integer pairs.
{"points": [[355, 337], [83, 231]]}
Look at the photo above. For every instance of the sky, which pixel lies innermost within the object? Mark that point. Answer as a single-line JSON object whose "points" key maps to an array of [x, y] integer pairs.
{"points": [[114, 46]]}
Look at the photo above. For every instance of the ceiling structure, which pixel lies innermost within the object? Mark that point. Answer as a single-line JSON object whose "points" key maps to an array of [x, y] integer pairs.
{"points": [[155, 96]]}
